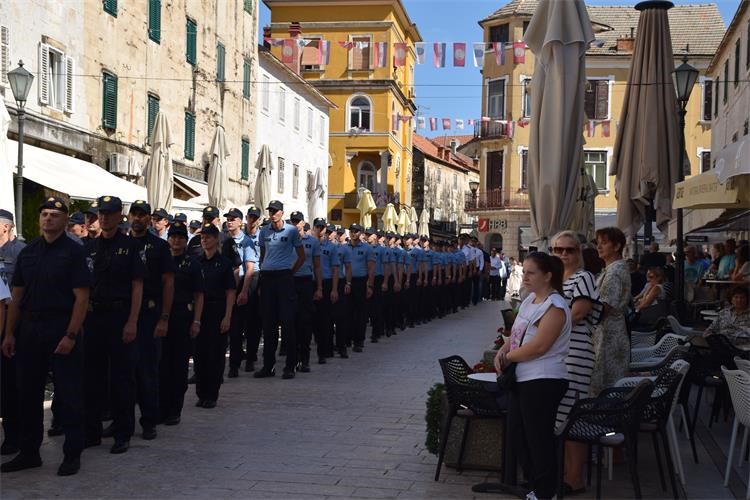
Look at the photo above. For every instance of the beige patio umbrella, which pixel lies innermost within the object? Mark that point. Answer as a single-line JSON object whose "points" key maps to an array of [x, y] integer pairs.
{"points": [[317, 196], [583, 213], [218, 177], [424, 223], [647, 150], [390, 218], [403, 220], [159, 176], [366, 207], [559, 35], [413, 220], [262, 194]]}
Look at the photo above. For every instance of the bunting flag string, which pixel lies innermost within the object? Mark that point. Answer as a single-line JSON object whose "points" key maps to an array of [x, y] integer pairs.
{"points": [[399, 56], [605, 129], [347, 45], [439, 54], [381, 54], [419, 49], [499, 49], [421, 122], [519, 53], [324, 52], [287, 51], [433, 124], [446, 123], [459, 54], [459, 124], [478, 50]]}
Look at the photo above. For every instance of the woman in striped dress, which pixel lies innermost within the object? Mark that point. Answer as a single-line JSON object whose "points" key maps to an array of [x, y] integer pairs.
{"points": [[580, 292]]}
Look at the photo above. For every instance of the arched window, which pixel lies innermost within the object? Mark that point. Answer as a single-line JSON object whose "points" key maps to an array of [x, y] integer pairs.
{"points": [[366, 176], [360, 111]]}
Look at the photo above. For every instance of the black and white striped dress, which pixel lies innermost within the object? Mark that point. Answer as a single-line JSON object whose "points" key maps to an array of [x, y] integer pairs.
{"points": [[580, 360]]}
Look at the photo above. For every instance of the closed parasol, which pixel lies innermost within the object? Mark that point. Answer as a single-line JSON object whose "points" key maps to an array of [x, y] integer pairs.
{"points": [[160, 173]]}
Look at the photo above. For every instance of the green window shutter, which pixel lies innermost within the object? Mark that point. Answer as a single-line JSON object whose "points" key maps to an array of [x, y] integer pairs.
{"points": [[220, 62], [191, 45], [109, 102], [249, 6], [154, 20], [246, 78], [153, 110], [245, 159], [189, 136], [110, 6]]}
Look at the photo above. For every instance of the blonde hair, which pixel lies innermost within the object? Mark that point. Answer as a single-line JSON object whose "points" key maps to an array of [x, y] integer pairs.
{"points": [[577, 238]]}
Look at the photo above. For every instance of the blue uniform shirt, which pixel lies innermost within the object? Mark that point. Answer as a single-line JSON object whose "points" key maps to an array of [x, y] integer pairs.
{"points": [[344, 256], [245, 249], [382, 257], [329, 258], [253, 251], [427, 258], [415, 257], [280, 247], [312, 249], [360, 256]]}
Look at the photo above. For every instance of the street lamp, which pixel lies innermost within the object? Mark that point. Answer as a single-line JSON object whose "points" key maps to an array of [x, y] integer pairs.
{"points": [[684, 78], [20, 84], [474, 186]]}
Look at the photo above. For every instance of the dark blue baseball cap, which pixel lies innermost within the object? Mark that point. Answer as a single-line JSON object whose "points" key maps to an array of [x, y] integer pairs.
{"points": [[109, 204], [76, 218]]}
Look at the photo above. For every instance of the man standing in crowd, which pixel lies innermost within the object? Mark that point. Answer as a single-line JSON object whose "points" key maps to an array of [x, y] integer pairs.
{"points": [[117, 263], [308, 284], [243, 274], [281, 257], [253, 320], [193, 228], [160, 223], [10, 247], [359, 286], [323, 323], [77, 227], [93, 227], [156, 306], [210, 216], [340, 300], [380, 285], [50, 297]]}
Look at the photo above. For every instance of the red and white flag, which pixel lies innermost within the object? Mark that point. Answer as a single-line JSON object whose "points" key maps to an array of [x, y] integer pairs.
{"points": [[399, 56], [446, 123], [324, 52], [459, 124], [591, 128], [381, 54], [523, 122], [287, 52], [348, 45], [472, 121], [433, 123], [499, 49], [405, 118], [605, 128], [486, 119], [395, 122], [438, 56], [519, 52], [459, 54]]}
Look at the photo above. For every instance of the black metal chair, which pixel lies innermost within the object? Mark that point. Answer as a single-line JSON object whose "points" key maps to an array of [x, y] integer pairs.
{"points": [[468, 400], [606, 421]]}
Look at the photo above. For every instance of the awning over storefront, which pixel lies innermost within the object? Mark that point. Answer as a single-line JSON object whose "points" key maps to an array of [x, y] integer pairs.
{"points": [[197, 190], [716, 224], [733, 160], [706, 191], [79, 179]]}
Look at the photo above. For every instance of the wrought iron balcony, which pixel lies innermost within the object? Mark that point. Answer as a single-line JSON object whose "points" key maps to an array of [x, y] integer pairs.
{"points": [[497, 199], [490, 130]]}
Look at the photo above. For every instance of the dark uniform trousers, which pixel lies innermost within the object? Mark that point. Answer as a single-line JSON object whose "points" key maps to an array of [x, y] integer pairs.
{"points": [[278, 307], [253, 323], [428, 293], [175, 361], [210, 351], [467, 290], [105, 352], [375, 307], [304, 287], [323, 322], [340, 313], [390, 306], [147, 368], [357, 311], [413, 300], [9, 400], [476, 288], [38, 337], [238, 332]]}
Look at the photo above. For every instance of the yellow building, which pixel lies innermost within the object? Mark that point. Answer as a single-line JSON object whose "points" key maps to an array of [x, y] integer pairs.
{"points": [[502, 201], [370, 146]]}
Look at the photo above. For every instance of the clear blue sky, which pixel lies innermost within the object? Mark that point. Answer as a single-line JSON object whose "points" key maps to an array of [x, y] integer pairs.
{"points": [[456, 92]]}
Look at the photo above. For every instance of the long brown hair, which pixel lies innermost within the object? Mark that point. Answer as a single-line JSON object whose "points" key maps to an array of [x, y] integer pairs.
{"points": [[550, 264]]}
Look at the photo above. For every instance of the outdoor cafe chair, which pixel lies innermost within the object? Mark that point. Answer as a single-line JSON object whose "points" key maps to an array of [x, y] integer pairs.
{"points": [[606, 421], [643, 356], [679, 329], [467, 399], [739, 389]]}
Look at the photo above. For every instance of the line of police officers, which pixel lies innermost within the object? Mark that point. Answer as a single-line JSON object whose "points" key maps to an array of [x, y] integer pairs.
{"points": [[116, 315]]}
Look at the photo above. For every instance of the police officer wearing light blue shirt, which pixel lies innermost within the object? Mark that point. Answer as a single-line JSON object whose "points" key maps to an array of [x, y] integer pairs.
{"points": [[360, 278], [282, 256], [380, 285], [418, 278], [341, 312], [308, 283], [253, 318], [329, 265]]}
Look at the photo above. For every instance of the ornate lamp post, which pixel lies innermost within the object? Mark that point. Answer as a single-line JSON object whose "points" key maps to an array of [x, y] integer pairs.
{"points": [[474, 186], [20, 84], [684, 78]]}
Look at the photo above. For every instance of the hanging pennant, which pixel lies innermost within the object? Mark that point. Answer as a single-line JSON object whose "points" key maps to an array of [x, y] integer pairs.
{"points": [[324, 52], [438, 57], [459, 124], [519, 53], [381, 54], [499, 49], [302, 43], [472, 122], [420, 50], [459, 54], [348, 45], [591, 128], [399, 56], [433, 123], [446, 123], [486, 118], [287, 53], [395, 122], [605, 128], [478, 49], [523, 122], [510, 128], [421, 122], [362, 45], [405, 118]]}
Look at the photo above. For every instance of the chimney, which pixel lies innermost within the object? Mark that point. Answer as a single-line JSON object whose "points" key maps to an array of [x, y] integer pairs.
{"points": [[475, 161], [266, 36], [295, 32], [626, 43], [454, 146]]}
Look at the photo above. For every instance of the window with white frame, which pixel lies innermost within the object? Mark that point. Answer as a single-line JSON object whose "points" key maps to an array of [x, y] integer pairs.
{"points": [[707, 92], [705, 159], [524, 184], [322, 130], [366, 177], [359, 56], [309, 123], [296, 113], [295, 180], [526, 97], [596, 99], [595, 163], [360, 111], [282, 104], [496, 98], [266, 103], [55, 78], [280, 180]]}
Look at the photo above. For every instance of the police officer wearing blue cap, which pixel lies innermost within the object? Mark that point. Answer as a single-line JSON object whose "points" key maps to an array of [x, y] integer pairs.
{"points": [[118, 267], [50, 298], [392, 302], [77, 227], [156, 306], [329, 264], [359, 286], [340, 302], [410, 280], [210, 216], [184, 325], [308, 283], [91, 215], [253, 323], [160, 223], [282, 256]]}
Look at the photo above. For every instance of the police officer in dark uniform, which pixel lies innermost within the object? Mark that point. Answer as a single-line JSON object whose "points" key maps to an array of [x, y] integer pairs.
{"points": [[220, 297], [91, 216], [117, 262], [308, 284], [158, 293], [50, 298], [359, 285], [253, 323], [210, 216], [184, 325]]}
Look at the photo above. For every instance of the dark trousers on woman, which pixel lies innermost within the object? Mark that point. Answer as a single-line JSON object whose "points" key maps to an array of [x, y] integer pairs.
{"points": [[147, 367], [495, 282], [210, 352], [175, 360], [533, 407]]}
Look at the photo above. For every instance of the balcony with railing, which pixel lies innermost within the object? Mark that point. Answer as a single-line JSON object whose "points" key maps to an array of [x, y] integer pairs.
{"points": [[497, 199], [490, 130]]}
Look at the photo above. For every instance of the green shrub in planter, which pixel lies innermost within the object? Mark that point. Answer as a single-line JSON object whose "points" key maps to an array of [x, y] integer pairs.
{"points": [[434, 417]]}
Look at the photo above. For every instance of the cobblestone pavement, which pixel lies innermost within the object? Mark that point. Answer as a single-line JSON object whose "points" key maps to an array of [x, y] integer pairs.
{"points": [[352, 428]]}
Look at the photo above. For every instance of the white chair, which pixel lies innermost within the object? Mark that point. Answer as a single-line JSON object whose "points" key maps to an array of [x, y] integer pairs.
{"points": [[739, 388], [742, 364], [651, 355], [642, 339], [679, 329]]}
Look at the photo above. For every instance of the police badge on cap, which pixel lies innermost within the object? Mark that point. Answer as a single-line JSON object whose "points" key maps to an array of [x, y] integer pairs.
{"points": [[54, 203]]}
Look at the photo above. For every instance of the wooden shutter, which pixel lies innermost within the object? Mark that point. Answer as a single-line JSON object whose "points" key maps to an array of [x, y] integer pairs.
{"points": [[220, 62], [361, 55], [109, 101], [246, 75], [494, 170], [245, 173], [4, 53], [602, 100], [153, 111], [43, 73], [708, 90], [189, 136], [69, 84], [154, 20], [248, 6], [191, 42], [110, 6], [310, 54]]}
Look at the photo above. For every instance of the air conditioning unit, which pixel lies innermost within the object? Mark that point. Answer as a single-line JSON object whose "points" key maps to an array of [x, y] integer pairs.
{"points": [[118, 164]]}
